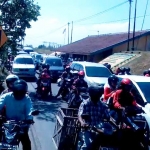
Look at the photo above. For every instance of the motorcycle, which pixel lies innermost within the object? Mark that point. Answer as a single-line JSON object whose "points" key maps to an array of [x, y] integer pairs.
{"points": [[44, 89], [11, 132], [75, 99], [66, 88]]}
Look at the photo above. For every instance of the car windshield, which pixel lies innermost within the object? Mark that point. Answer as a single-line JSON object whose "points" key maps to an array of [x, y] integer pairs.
{"points": [[23, 61], [145, 86], [38, 57], [53, 62], [97, 71]]}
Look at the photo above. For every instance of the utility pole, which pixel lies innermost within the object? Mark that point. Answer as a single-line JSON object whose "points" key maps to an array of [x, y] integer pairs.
{"points": [[68, 32], [134, 25], [130, 1], [71, 32]]}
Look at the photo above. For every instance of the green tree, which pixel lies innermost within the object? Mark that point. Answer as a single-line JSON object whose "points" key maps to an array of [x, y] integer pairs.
{"points": [[15, 17]]}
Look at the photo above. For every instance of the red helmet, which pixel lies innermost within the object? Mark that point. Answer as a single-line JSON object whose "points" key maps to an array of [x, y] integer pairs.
{"points": [[81, 73], [126, 84]]}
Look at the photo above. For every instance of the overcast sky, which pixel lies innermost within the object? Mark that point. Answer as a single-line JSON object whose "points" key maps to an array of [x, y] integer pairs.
{"points": [[56, 14]]}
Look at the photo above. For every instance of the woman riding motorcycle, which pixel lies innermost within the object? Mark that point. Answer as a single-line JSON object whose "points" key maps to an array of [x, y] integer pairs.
{"points": [[110, 87], [10, 79]]}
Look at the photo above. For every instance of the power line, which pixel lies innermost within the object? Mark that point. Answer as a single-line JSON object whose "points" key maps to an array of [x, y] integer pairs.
{"points": [[115, 20], [86, 18], [143, 21]]}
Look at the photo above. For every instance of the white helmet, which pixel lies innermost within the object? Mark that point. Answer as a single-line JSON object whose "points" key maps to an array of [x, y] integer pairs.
{"points": [[11, 78]]}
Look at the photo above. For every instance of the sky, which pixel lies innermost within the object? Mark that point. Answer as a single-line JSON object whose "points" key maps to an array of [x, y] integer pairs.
{"points": [[55, 15]]}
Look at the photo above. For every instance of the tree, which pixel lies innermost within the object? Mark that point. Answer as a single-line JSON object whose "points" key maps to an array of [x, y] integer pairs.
{"points": [[15, 17]]}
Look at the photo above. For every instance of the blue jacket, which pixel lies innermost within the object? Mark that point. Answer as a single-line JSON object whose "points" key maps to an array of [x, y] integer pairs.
{"points": [[16, 109]]}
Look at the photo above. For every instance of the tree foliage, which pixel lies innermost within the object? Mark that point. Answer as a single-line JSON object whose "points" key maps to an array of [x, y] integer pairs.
{"points": [[15, 17]]}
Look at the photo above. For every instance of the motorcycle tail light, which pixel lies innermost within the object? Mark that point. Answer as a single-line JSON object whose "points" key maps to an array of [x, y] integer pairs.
{"points": [[43, 88]]}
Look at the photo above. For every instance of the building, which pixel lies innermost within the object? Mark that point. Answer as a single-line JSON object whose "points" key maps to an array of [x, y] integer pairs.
{"points": [[96, 48]]}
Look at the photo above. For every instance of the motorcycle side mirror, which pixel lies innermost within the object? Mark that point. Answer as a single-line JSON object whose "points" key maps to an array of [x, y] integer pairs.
{"points": [[35, 112]]}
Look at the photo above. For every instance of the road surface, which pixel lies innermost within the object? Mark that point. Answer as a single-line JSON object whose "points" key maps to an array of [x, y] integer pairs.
{"points": [[41, 132]]}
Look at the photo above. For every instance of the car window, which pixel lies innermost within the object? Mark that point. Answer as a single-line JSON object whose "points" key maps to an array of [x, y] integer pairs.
{"points": [[53, 62], [137, 95], [76, 67], [145, 88], [23, 61], [81, 68], [38, 56], [92, 71], [72, 66]]}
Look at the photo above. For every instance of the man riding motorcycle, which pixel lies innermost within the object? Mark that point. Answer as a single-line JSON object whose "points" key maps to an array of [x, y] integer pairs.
{"points": [[123, 99], [65, 74], [10, 79], [110, 87], [127, 71], [45, 70], [95, 110], [18, 107]]}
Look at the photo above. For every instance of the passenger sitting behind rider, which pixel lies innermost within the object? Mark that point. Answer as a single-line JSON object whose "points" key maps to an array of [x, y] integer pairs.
{"points": [[65, 74], [10, 79], [123, 98], [18, 107], [95, 110], [110, 87], [80, 83]]}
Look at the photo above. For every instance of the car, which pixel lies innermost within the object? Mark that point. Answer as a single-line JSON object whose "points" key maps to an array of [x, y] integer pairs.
{"points": [[95, 74], [56, 66], [23, 66], [141, 91]]}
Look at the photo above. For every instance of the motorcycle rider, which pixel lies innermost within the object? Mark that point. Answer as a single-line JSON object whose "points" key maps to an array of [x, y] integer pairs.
{"points": [[80, 83], [10, 79], [18, 107], [123, 98], [127, 71], [65, 74], [45, 70], [95, 110], [110, 87], [146, 73]]}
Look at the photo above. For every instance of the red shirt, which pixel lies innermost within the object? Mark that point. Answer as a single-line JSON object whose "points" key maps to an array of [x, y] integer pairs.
{"points": [[121, 99], [107, 93]]}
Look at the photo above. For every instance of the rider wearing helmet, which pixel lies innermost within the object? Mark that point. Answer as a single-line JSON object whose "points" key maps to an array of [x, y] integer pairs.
{"points": [[46, 70], [122, 71], [65, 74], [127, 70], [123, 97], [109, 67], [110, 87], [18, 107], [146, 73], [10, 79], [80, 83]]}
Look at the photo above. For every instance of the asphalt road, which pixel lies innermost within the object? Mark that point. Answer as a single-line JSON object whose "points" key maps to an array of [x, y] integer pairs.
{"points": [[41, 132]]}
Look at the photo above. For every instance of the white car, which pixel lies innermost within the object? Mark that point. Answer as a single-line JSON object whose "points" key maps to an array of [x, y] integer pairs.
{"points": [[141, 91], [23, 66], [95, 74]]}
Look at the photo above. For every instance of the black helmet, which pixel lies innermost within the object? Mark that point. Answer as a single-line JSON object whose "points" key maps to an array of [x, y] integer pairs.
{"points": [[127, 69], [19, 89], [95, 93], [113, 79], [122, 69], [10, 79], [146, 72], [108, 66]]}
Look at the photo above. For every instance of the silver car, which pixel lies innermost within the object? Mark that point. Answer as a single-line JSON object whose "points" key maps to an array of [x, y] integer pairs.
{"points": [[23, 66]]}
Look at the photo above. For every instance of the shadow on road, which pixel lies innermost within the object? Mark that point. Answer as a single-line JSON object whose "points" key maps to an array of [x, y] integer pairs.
{"points": [[47, 107]]}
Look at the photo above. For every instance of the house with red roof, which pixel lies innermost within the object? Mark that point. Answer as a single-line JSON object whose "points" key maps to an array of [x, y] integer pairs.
{"points": [[96, 48]]}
